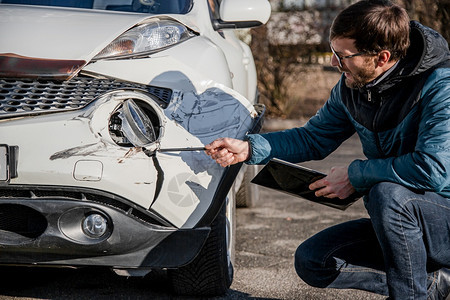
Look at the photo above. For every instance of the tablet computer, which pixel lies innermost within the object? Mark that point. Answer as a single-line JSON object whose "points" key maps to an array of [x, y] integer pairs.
{"points": [[294, 179]]}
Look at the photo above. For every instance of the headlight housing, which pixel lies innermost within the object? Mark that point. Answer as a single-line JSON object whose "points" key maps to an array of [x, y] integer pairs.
{"points": [[145, 39], [135, 122], [136, 125]]}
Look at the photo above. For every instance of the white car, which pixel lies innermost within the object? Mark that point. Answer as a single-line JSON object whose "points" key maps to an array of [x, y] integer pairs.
{"points": [[105, 106]]}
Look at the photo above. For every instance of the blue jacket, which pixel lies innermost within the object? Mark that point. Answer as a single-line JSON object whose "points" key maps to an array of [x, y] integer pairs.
{"points": [[403, 123]]}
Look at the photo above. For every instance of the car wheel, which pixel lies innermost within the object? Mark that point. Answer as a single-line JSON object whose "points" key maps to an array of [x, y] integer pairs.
{"points": [[211, 272], [248, 193]]}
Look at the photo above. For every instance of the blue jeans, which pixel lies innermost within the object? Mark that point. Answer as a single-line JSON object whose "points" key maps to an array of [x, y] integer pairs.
{"points": [[394, 253]]}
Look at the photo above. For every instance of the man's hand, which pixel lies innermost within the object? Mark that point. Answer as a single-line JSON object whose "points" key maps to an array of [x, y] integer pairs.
{"points": [[335, 184], [228, 151]]}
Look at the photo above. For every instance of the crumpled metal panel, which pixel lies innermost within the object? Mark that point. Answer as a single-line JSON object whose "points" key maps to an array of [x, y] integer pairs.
{"points": [[193, 177]]}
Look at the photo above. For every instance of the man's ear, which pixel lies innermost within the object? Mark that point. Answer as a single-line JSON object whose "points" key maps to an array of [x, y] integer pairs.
{"points": [[383, 58]]}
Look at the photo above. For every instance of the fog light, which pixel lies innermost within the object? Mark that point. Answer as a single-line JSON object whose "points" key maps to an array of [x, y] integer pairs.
{"points": [[95, 225]]}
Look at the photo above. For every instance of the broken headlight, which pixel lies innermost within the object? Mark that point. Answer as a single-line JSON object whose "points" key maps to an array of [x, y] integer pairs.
{"points": [[134, 124]]}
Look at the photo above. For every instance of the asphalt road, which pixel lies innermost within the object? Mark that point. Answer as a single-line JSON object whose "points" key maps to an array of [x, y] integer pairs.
{"points": [[267, 237]]}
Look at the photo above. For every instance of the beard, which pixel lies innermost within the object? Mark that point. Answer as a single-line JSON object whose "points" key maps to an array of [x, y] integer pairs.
{"points": [[360, 78]]}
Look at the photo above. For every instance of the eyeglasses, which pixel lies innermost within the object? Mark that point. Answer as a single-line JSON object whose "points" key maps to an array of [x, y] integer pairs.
{"points": [[340, 58]]}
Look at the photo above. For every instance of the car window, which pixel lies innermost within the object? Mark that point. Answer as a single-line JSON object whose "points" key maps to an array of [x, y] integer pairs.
{"points": [[143, 6], [214, 8]]}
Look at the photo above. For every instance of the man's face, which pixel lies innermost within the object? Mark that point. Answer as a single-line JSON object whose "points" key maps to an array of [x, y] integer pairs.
{"points": [[358, 70]]}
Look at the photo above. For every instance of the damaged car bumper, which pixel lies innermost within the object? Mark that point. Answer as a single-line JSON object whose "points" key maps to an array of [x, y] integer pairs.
{"points": [[115, 203]]}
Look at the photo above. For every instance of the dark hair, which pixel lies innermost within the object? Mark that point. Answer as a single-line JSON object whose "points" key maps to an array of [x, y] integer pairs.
{"points": [[375, 25]]}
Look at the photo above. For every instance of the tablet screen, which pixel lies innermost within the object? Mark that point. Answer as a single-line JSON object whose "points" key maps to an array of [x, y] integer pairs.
{"points": [[294, 179]]}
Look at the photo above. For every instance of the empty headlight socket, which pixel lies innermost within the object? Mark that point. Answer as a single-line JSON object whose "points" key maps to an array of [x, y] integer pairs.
{"points": [[134, 123]]}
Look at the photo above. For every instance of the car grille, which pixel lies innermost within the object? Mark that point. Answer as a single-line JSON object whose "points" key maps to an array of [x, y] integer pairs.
{"points": [[20, 97], [76, 194], [21, 220]]}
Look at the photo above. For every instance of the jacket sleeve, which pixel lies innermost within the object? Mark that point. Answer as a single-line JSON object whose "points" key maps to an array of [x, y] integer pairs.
{"points": [[320, 136], [428, 166]]}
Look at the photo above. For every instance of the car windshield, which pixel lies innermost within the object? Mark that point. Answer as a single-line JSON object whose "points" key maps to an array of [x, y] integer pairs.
{"points": [[143, 6]]}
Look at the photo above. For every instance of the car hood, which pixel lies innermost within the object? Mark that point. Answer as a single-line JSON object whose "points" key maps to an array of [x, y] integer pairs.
{"points": [[60, 33]]}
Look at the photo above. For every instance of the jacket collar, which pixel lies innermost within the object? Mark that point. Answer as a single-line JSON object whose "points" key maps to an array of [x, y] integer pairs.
{"points": [[427, 50]]}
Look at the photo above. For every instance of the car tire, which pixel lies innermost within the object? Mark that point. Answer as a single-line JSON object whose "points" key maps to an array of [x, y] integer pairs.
{"points": [[211, 272], [248, 193]]}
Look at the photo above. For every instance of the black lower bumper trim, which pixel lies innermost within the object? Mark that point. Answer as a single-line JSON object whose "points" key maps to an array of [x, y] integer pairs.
{"points": [[128, 243]]}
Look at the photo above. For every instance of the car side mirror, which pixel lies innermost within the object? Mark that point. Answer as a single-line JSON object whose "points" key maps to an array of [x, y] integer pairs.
{"points": [[242, 14]]}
